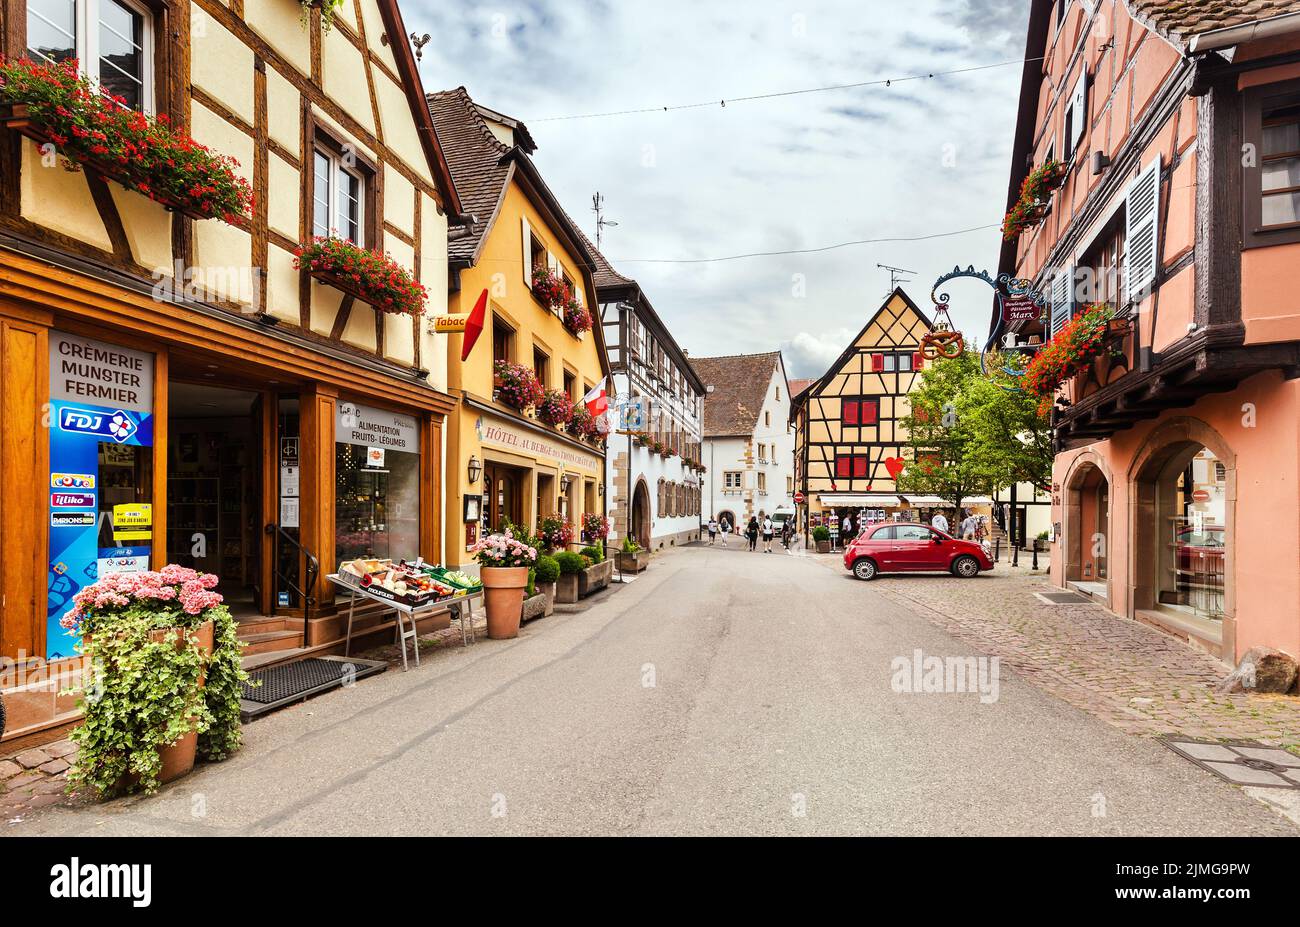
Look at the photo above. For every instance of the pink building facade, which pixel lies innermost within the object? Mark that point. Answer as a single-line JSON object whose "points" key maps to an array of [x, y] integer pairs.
{"points": [[1176, 487]]}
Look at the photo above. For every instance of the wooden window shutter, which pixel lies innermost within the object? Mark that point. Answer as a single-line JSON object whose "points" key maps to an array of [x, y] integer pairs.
{"points": [[850, 413], [1078, 110], [842, 465], [877, 363], [1141, 218], [527, 231], [917, 360], [859, 466], [870, 412], [1062, 293]]}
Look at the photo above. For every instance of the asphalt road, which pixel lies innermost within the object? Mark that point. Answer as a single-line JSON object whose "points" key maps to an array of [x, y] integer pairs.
{"points": [[722, 693]]}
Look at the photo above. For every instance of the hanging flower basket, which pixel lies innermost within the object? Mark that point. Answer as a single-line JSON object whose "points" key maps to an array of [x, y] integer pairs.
{"points": [[595, 527], [516, 386], [367, 275], [54, 104], [1035, 191], [549, 289], [556, 408], [583, 423], [1080, 341]]}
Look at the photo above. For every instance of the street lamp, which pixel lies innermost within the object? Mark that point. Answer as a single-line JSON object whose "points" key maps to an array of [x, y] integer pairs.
{"points": [[475, 469]]}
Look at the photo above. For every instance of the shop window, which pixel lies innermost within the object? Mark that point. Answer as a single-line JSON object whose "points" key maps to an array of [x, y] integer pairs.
{"points": [[377, 491], [1192, 518], [1272, 189], [113, 40], [503, 337]]}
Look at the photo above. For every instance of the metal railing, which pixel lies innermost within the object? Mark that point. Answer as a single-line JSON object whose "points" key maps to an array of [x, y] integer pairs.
{"points": [[307, 590]]}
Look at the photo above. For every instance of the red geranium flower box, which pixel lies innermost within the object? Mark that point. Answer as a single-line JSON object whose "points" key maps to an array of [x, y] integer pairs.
{"points": [[367, 275]]}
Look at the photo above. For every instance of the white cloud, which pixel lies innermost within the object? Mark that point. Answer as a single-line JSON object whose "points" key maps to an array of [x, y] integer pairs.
{"points": [[919, 157], [808, 355]]}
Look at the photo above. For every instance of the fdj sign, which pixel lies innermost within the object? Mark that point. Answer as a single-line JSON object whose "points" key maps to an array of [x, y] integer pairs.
{"points": [[117, 425]]}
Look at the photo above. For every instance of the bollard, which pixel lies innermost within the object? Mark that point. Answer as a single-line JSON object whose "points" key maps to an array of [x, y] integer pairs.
{"points": [[997, 551], [1015, 553], [1035, 553]]}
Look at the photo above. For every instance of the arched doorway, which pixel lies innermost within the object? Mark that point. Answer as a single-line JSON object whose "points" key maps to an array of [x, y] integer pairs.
{"points": [[1087, 528], [1183, 533], [639, 525]]}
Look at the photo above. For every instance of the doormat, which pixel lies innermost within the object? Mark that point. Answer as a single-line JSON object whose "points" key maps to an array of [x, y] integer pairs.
{"points": [[1241, 762], [292, 682], [1062, 598]]}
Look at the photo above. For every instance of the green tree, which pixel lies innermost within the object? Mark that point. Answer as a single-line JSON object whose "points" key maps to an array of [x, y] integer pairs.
{"points": [[971, 433]]}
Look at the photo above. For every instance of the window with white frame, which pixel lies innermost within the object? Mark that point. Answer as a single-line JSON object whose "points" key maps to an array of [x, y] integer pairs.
{"points": [[732, 479], [112, 39], [338, 197]]}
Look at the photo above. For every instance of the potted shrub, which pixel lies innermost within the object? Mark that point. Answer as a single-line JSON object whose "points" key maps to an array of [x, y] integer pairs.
{"points": [[367, 275], [598, 571], [166, 682], [546, 574], [505, 562], [631, 557], [55, 104], [571, 566], [516, 386], [822, 535]]}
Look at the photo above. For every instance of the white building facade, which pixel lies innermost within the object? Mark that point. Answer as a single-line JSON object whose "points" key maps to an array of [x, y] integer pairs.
{"points": [[748, 439]]}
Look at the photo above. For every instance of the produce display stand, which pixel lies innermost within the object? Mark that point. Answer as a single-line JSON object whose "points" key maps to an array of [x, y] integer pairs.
{"points": [[461, 607]]}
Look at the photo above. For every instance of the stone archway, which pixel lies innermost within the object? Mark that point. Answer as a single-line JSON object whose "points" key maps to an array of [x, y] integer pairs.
{"points": [[639, 523], [1153, 476], [1087, 523]]}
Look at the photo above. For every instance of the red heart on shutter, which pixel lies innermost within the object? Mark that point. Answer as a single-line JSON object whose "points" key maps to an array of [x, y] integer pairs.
{"points": [[895, 465]]}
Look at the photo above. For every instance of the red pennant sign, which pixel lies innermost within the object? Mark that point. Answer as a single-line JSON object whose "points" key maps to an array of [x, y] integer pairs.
{"points": [[474, 326]]}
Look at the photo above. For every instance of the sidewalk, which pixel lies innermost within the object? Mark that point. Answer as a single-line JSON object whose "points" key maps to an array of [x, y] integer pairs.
{"points": [[1123, 671]]}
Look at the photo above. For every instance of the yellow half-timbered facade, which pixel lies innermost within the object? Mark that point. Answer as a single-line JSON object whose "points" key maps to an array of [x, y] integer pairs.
{"points": [[849, 444]]}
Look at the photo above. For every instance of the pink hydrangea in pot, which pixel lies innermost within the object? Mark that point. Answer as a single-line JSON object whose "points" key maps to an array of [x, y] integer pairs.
{"points": [[504, 562]]}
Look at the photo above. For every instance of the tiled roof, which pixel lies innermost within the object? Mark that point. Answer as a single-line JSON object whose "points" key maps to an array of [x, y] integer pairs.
{"points": [[475, 158], [1182, 18], [799, 385], [739, 385], [602, 271]]}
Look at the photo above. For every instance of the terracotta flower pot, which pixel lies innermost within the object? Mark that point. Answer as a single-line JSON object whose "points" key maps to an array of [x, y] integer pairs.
{"points": [[503, 594], [823, 547]]}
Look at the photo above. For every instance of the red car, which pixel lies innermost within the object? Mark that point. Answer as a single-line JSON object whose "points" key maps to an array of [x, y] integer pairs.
{"points": [[905, 548]]}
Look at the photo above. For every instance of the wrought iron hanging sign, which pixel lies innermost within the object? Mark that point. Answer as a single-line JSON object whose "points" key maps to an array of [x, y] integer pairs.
{"points": [[1017, 301], [942, 340]]}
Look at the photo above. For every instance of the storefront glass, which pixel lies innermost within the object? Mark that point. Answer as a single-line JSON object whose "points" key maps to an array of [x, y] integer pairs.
{"points": [[377, 471], [1194, 536]]}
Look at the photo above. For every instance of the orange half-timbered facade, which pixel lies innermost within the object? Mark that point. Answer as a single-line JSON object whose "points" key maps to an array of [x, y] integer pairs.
{"points": [[848, 441], [175, 389]]}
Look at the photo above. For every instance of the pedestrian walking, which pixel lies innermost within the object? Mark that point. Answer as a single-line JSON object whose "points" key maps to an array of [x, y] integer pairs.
{"points": [[846, 530], [751, 532], [768, 529], [725, 528], [968, 526], [939, 523], [713, 531], [787, 532]]}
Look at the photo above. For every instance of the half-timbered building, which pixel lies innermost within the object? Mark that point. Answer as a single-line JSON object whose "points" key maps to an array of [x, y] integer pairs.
{"points": [[849, 445], [175, 389]]}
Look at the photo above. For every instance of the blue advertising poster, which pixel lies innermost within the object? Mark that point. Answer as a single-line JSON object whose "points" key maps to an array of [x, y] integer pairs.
{"points": [[84, 432]]}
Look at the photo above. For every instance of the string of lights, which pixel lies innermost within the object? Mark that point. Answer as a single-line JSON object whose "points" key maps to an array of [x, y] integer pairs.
{"points": [[723, 103]]}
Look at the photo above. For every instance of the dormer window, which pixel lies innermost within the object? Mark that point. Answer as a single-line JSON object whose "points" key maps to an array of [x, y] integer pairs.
{"points": [[111, 38]]}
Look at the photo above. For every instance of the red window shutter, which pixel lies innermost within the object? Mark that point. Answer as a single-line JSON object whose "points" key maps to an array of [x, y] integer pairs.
{"points": [[870, 412], [859, 466], [842, 465], [850, 413], [877, 363], [917, 360]]}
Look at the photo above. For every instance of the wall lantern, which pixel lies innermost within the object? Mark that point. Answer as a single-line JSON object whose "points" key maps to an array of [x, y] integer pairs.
{"points": [[475, 469], [564, 484], [600, 489]]}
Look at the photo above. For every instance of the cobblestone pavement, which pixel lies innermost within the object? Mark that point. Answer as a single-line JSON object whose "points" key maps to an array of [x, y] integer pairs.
{"points": [[34, 778], [1125, 672]]}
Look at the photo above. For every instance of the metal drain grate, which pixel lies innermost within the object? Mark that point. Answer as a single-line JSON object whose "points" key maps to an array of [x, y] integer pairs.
{"points": [[1241, 762], [291, 682], [1062, 598]]}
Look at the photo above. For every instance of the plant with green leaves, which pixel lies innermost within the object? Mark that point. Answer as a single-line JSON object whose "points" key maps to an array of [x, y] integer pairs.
{"points": [[630, 545], [547, 569], [821, 533], [593, 553], [569, 562], [150, 683], [328, 10]]}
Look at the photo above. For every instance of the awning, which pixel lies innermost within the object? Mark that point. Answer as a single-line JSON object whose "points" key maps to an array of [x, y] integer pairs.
{"points": [[925, 501], [931, 501], [859, 498]]}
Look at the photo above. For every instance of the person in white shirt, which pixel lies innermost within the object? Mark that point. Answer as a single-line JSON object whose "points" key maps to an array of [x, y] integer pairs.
{"points": [[713, 531], [768, 530], [939, 523], [968, 527], [846, 531], [726, 530]]}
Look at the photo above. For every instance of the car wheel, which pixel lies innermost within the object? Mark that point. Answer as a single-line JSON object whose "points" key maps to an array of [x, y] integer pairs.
{"points": [[865, 569], [966, 567]]}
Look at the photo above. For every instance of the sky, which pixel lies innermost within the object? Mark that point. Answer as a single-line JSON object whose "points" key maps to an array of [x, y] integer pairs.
{"points": [[916, 158]]}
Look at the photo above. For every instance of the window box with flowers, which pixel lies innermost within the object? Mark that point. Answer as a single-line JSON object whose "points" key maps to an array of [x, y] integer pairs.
{"points": [[367, 275], [595, 527], [54, 104], [583, 424], [516, 386], [557, 296], [1071, 350], [1035, 193], [555, 409]]}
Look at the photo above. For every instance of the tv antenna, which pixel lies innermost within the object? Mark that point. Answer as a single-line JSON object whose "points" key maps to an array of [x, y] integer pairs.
{"points": [[598, 207], [896, 276]]}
